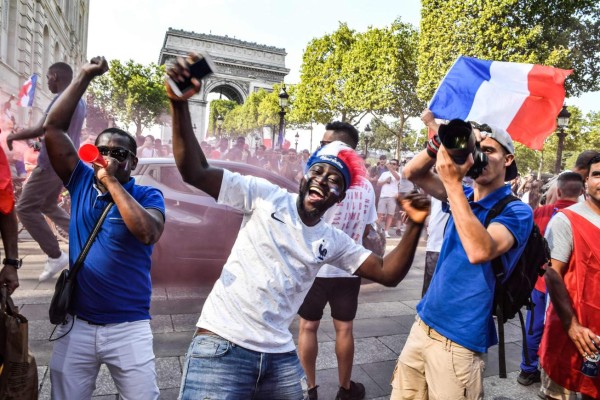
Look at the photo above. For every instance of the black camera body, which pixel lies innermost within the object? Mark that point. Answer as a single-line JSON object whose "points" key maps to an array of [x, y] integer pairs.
{"points": [[458, 138]]}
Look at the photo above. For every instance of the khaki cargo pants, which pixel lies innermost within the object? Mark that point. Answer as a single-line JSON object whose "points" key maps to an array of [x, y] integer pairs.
{"points": [[434, 367]]}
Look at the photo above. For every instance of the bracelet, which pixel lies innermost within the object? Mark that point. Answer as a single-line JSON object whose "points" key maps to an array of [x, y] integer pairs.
{"points": [[433, 145], [13, 262]]}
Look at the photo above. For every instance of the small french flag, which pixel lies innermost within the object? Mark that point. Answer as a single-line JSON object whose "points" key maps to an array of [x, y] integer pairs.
{"points": [[27, 92], [522, 99]]}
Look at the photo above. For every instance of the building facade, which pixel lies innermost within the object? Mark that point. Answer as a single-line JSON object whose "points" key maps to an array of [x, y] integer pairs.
{"points": [[35, 34]]}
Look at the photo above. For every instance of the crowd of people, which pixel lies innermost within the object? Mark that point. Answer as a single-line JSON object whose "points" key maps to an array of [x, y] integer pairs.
{"points": [[298, 252]]}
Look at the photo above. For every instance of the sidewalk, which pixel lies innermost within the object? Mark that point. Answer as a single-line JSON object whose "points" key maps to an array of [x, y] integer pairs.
{"points": [[382, 324]]}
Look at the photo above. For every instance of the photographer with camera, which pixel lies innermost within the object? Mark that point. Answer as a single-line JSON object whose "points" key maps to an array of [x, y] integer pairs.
{"points": [[443, 355]]}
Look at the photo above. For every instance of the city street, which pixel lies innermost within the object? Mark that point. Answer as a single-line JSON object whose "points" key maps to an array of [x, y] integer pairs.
{"points": [[384, 318]]}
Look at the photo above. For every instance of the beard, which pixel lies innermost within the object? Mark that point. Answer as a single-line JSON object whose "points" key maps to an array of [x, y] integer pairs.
{"points": [[302, 193]]}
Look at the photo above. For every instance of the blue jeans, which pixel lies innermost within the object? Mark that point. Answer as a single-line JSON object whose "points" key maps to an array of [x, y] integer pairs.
{"points": [[533, 340], [215, 368]]}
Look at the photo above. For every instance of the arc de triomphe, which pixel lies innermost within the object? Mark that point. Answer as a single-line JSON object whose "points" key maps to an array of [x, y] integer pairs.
{"points": [[241, 68]]}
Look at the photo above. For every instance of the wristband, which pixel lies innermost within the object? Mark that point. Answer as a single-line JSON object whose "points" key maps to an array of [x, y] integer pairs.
{"points": [[433, 145], [12, 262]]}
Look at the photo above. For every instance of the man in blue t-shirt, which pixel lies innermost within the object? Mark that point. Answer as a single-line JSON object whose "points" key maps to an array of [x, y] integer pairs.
{"points": [[110, 321], [443, 355]]}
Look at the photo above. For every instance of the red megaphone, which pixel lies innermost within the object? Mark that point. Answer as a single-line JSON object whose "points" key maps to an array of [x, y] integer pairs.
{"points": [[90, 154]]}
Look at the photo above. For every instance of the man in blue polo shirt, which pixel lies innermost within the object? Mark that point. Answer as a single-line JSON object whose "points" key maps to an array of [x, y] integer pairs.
{"points": [[443, 355], [111, 309]]}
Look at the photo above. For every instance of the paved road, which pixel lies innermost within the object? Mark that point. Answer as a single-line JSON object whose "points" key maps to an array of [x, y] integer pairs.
{"points": [[382, 324]]}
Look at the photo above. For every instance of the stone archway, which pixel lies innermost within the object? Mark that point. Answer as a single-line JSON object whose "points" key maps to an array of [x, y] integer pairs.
{"points": [[241, 68]]}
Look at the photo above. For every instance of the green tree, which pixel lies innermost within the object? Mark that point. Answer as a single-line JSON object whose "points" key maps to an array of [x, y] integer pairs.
{"points": [[559, 33], [322, 94], [347, 75], [218, 107], [132, 93]]}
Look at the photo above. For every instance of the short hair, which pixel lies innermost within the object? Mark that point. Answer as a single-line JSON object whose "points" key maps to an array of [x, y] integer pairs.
{"points": [[117, 131], [395, 159], [149, 136], [383, 157], [570, 184], [593, 160], [584, 158], [344, 128], [63, 71]]}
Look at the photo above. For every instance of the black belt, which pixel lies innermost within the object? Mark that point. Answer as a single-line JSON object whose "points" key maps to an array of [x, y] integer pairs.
{"points": [[90, 322]]}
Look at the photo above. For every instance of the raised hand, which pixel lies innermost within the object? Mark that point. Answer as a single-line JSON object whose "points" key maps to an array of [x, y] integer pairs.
{"points": [[96, 67], [416, 205], [179, 72]]}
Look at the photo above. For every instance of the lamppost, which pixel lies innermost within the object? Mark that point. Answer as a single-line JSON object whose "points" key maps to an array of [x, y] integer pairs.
{"points": [[562, 122], [219, 124], [368, 135], [283, 101], [296, 136]]}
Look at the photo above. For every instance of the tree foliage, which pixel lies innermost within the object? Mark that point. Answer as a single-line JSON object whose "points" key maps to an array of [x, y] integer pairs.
{"points": [[347, 74], [560, 33], [132, 93], [218, 107]]}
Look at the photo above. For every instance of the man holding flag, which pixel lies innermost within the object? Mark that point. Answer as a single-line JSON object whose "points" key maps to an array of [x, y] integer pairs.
{"points": [[444, 357], [41, 191]]}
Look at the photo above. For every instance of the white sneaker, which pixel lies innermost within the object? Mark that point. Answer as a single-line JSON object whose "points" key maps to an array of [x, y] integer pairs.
{"points": [[54, 266], [387, 235]]}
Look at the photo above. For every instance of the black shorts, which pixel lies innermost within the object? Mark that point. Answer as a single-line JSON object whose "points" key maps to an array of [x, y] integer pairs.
{"points": [[341, 293]]}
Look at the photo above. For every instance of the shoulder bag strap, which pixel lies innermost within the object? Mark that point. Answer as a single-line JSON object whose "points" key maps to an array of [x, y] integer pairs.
{"points": [[88, 244]]}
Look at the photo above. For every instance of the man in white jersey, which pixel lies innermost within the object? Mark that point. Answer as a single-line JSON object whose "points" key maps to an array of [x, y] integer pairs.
{"points": [[334, 286], [243, 347]]}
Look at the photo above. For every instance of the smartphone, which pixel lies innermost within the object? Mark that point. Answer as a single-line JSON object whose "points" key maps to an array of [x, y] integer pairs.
{"points": [[199, 70]]}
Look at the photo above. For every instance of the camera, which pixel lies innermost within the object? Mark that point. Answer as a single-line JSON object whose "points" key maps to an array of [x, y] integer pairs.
{"points": [[199, 69], [458, 138]]}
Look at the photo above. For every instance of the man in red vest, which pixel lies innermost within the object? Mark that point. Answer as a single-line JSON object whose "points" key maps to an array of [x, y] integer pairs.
{"points": [[572, 321], [569, 188]]}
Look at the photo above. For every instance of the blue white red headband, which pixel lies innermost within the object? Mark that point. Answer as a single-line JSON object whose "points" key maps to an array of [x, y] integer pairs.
{"points": [[343, 158]]}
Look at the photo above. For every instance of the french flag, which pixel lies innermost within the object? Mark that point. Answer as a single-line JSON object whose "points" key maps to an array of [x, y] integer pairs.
{"points": [[522, 99], [27, 92]]}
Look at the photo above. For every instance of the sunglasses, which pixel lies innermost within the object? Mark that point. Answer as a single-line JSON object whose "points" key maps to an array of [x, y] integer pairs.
{"points": [[118, 153]]}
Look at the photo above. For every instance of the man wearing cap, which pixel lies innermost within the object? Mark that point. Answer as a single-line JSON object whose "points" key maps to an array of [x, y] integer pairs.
{"points": [[443, 355], [243, 347]]}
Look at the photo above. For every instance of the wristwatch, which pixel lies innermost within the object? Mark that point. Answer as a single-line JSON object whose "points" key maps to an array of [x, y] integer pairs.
{"points": [[11, 261]]}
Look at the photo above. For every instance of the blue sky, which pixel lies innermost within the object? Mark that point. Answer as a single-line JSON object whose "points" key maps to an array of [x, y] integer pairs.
{"points": [[136, 29]]}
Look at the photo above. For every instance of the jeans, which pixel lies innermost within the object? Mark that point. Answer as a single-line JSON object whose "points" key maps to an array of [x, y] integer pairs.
{"points": [[216, 368], [533, 341]]}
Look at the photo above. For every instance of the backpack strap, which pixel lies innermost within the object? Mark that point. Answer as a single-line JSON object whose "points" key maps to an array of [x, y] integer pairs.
{"points": [[499, 274]]}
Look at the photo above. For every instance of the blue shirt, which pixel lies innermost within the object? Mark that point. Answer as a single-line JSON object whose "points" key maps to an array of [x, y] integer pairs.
{"points": [[74, 131], [113, 285], [458, 303]]}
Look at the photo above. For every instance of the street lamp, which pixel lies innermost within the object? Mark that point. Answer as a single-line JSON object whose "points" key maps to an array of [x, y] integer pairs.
{"points": [[219, 124], [296, 136], [562, 122], [368, 135], [283, 102]]}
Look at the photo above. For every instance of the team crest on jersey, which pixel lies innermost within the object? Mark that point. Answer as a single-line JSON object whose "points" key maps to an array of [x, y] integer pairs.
{"points": [[320, 250]]}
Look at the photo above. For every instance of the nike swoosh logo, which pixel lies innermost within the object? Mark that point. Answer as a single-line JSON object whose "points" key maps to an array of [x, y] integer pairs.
{"points": [[276, 219]]}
